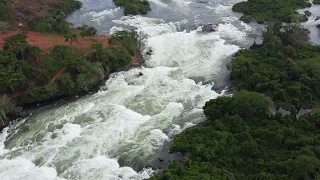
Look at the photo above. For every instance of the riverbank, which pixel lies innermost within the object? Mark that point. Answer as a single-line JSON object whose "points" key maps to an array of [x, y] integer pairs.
{"points": [[26, 108], [232, 143]]}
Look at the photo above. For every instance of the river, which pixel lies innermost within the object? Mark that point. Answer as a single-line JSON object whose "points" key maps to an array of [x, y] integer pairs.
{"points": [[126, 126], [311, 24]]}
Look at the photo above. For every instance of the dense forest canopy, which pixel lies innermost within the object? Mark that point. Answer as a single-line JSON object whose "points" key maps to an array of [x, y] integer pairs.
{"points": [[44, 16], [270, 10], [242, 140], [54, 20], [285, 67]]}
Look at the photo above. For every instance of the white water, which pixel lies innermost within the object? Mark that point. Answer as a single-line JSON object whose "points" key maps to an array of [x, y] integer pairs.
{"points": [[312, 23], [117, 131]]}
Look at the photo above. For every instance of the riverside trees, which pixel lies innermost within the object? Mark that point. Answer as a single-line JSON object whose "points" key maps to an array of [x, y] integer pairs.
{"points": [[28, 69], [269, 10], [285, 67], [134, 7], [54, 20], [242, 140]]}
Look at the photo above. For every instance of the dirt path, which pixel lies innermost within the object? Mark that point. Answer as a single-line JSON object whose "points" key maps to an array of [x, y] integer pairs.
{"points": [[58, 75], [46, 41]]}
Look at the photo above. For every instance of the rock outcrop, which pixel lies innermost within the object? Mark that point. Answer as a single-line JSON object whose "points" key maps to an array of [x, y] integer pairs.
{"points": [[208, 28]]}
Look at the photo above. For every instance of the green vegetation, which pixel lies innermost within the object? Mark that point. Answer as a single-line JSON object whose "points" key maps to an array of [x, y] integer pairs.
{"points": [[134, 7], [86, 30], [316, 2], [241, 140], [54, 20], [25, 68], [307, 13], [270, 10], [285, 67], [127, 39], [5, 11]]}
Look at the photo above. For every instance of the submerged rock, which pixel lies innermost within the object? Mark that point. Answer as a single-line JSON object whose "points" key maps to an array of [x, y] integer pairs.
{"points": [[208, 28], [149, 52]]}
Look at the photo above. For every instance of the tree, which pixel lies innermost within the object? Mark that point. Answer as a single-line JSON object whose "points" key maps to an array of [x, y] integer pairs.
{"points": [[11, 73], [71, 38], [65, 83], [86, 30], [17, 43], [60, 51], [34, 50], [98, 48]]}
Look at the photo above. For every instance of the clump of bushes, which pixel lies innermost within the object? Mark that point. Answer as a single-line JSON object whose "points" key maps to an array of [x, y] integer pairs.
{"points": [[128, 39], [54, 20], [266, 10], [134, 7], [307, 13], [5, 11], [86, 30]]}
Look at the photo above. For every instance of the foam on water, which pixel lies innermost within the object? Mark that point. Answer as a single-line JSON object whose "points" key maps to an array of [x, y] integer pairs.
{"points": [[312, 23], [123, 127], [182, 48], [131, 120]]}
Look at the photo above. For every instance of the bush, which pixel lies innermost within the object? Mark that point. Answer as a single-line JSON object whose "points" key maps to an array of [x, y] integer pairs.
{"points": [[134, 7], [54, 20], [5, 11], [128, 39], [266, 10], [87, 31], [307, 13]]}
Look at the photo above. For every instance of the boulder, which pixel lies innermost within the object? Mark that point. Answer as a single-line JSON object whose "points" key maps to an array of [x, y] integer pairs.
{"points": [[317, 18], [149, 52], [208, 28]]}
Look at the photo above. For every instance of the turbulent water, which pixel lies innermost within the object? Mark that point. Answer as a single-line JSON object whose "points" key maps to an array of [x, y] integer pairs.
{"points": [[116, 132], [312, 23]]}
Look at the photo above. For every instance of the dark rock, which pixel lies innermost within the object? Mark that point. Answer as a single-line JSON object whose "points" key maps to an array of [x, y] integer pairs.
{"points": [[318, 26], [317, 18], [160, 159], [208, 28], [149, 52], [140, 74]]}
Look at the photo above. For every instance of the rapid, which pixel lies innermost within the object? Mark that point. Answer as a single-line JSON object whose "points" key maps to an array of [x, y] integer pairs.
{"points": [[122, 130]]}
